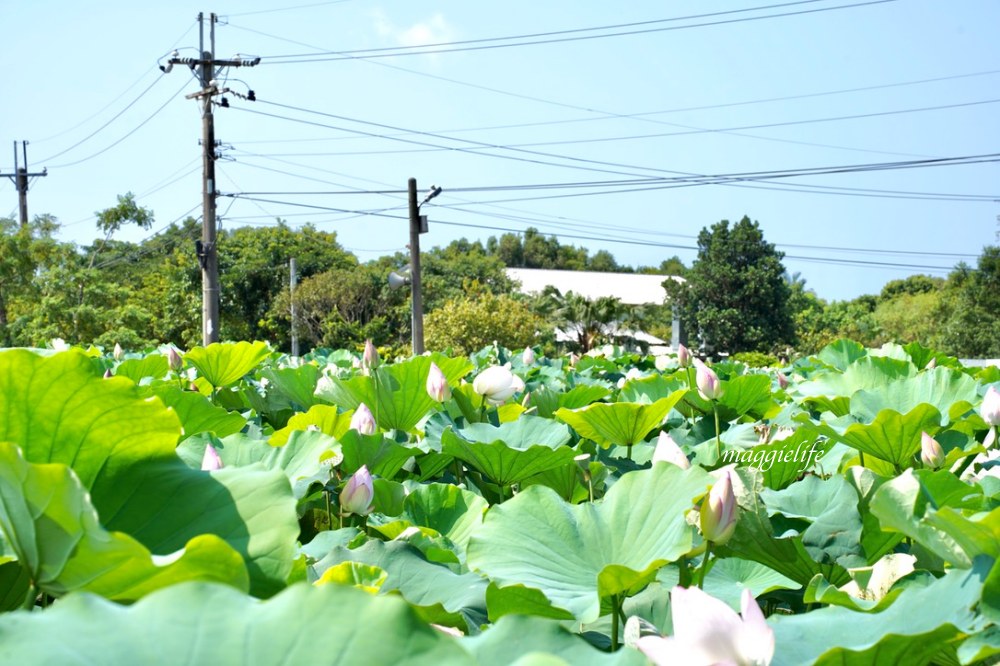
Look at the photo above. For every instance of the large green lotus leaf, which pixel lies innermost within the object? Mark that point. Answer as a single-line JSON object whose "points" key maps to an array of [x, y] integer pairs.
{"points": [[446, 509], [621, 423], [515, 636], [825, 513], [54, 530], [729, 576], [872, 589], [650, 389], [868, 372], [577, 554], [198, 414], [224, 363], [989, 605], [397, 394], [747, 393], [940, 387], [891, 436], [198, 623], [906, 504], [755, 539], [526, 431], [442, 595], [297, 385], [921, 622], [326, 418], [521, 600], [14, 585], [875, 541], [785, 460], [137, 369], [583, 395], [383, 456], [842, 353], [978, 648], [505, 464]]}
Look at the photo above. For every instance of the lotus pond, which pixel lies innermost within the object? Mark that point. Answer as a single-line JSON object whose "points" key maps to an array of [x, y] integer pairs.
{"points": [[234, 505]]}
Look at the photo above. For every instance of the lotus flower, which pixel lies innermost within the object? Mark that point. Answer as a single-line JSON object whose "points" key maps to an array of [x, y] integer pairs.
{"points": [[363, 421], [719, 512], [931, 364], [496, 384], [990, 409], [708, 382], [931, 453], [528, 357], [211, 460], [437, 384], [369, 360], [108, 374], [668, 451], [118, 352], [782, 380], [683, 356], [174, 359], [358, 493], [707, 631]]}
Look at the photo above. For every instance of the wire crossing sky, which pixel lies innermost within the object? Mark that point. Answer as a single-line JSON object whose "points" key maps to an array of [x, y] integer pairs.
{"points": [[863, 135]]}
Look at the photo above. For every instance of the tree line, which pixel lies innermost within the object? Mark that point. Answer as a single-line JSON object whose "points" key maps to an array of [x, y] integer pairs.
{"points": [[737, 296]]}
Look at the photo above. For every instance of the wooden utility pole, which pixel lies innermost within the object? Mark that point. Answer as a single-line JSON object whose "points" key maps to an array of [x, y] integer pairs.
{"points": [[20, 178], [208, 256]]}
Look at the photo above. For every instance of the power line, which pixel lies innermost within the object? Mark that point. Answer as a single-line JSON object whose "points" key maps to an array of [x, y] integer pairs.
{"points": [[285, 9], [477, 45]]}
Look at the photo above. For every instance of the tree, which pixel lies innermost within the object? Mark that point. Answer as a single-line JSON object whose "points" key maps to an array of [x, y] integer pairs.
{"points": [[466, 325], [972, 328], [589, 322], [735, 298]]}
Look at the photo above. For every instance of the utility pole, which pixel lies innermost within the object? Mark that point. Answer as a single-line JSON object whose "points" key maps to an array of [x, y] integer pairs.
{"points": [[208, 255], [20, 179], [418, 225], [292, 282]]}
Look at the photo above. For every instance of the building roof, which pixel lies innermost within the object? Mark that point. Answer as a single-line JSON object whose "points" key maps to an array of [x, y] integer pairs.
{"points": [[630, 288]]}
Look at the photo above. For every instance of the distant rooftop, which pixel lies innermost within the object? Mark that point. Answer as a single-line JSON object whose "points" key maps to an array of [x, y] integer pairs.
{"points": [[630, 288]]}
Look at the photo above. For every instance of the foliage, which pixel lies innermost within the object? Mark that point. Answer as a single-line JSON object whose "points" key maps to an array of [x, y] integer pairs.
{"points": [[735, 298], [468, 324], [755, 359]]}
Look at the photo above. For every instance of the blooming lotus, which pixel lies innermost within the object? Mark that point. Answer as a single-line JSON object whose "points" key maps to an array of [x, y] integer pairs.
{"points": [[211, 460], [437, 384], [668, 451], [363, 421], [707, 631], [496, 384], [719, 512], [358, 493], [990, 409], [931, 453], [708, 382]]}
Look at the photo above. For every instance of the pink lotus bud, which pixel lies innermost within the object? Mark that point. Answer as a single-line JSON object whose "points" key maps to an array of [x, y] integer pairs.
{"points": [[528, 357], [174, 359], [358, 493], [719, 512], [497, 383], [363, 421], [118, 352], [573, 360], [990, 409], [108, 374], [931, 364], [683, 356], [668, 451], [211, 460], [437, 384], [708, 382], [369, 360], [931, 453]]}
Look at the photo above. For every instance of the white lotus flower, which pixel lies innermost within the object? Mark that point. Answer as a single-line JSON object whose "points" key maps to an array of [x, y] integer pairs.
{"points": [[668, 451], [707, 631], [497, 383]]}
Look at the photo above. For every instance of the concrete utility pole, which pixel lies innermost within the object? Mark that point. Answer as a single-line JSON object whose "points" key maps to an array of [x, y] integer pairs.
{"points": [[293, 279], [208, 256], [418, 225], [20, 178]]}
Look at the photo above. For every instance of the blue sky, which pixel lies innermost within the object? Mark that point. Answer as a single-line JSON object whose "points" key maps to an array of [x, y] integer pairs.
{"points": [[739, 87]]}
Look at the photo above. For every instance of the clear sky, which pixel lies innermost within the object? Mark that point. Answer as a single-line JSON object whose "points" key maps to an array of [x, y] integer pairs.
{"points": [[659, 95]]}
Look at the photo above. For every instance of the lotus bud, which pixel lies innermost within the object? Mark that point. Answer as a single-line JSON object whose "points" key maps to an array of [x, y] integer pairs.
{"points": [[719, 512], [118, 352], [437, 384], [990, 409], [683, 356], [931, 453], [782, 380], [58, 344], [358, 493], [497, 383], [108, 374], [211, 460], [573, 360], [528, 357], [369, 360], [668, 451], [174, 359], [708, 382], [931, 364], [363, 421]]}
